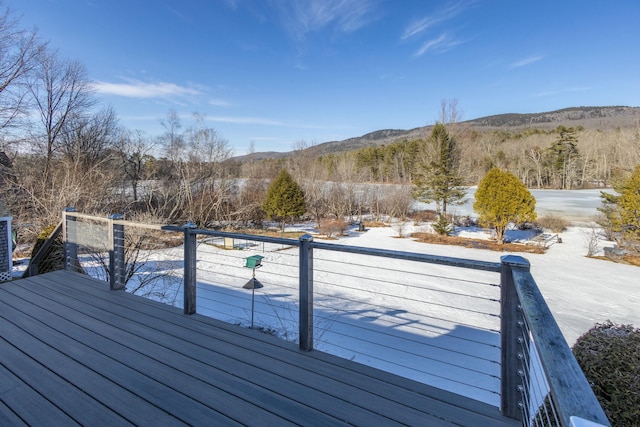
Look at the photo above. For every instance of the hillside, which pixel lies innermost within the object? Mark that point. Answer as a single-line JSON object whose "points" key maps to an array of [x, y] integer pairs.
{"points": [[602, 118]]}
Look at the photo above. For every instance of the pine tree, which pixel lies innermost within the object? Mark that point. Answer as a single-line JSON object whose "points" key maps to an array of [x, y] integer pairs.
{"points": [[501, 198], [284, 200], [629, 204], [437, 180], [622, 211], [563, 156]]}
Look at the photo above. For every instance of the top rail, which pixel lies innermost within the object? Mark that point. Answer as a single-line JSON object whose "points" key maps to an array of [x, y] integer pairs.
{"points": [[413, 256], [410, 256]]}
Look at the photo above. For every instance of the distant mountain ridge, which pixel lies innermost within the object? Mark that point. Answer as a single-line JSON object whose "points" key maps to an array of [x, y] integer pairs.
{"points": [[602, 118]]}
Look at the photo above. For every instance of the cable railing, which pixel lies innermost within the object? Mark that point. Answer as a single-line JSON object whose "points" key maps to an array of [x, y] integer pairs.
{"points": [[411, 318], [476, 328]]}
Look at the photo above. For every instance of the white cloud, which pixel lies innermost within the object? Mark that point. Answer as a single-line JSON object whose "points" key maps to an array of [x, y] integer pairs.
{"points": [[526, 61], [440, 44], [303, 17], [429, 21], [139, 89]]}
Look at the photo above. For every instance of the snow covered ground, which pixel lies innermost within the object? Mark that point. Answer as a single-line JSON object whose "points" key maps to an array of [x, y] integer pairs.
{"points": [[580, 291]]}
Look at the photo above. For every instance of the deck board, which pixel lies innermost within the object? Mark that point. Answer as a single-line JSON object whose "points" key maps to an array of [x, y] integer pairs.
{"points": [[81, 353]]}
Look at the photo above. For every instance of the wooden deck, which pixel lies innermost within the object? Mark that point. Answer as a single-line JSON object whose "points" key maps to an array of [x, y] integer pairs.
{"points": [[73, 352]]}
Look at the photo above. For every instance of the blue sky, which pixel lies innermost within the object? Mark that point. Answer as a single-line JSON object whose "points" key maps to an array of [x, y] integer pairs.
{"points": [[277, 72]]}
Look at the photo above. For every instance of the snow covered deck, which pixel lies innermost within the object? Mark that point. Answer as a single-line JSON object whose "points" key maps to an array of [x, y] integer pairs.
{"points": [[74, 352]]}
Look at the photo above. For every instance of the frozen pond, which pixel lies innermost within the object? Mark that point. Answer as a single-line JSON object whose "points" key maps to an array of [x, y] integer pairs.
{"points": [[574, 205]]}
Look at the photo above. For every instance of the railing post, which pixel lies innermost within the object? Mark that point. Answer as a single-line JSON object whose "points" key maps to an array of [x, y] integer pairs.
{"points": [[70, 234], [117, 263], [512, 337], [189, 303], [306, 293]]}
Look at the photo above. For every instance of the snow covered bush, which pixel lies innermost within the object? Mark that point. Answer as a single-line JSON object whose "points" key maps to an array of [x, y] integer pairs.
{"points": [[609, 356]]}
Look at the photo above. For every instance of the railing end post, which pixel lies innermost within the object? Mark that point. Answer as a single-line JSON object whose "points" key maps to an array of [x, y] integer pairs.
{"points": [[306, 293], [510, 334], [189, 285], [70, 240], [117, 262]]}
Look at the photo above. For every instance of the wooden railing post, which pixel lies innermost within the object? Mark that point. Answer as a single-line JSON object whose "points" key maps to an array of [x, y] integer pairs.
{"points": [[189, 303], [70, 234], [306, 293], [117, 264], [512, 337]]}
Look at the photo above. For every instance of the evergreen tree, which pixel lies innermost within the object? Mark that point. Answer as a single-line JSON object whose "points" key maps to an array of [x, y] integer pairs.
{"points": [[501, 198], [563, 157], [284, 200], [437, 180], [622, 211]]}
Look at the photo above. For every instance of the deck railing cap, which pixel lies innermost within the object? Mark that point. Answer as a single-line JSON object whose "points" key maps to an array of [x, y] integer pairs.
{"points": [[515, 261]]}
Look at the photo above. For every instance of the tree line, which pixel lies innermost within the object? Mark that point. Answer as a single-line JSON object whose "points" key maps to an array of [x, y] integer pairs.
{"points": [[562, 158]]}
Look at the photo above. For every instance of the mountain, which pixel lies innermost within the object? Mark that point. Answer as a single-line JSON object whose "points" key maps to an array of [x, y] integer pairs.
{"points": [[602, 118]]}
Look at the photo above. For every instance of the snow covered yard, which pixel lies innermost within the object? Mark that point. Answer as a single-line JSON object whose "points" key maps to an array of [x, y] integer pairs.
{"points": [[580, 291]]}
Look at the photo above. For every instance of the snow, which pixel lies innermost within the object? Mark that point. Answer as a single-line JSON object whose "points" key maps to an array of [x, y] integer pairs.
{"points": [[580, 291], [436, 324]]}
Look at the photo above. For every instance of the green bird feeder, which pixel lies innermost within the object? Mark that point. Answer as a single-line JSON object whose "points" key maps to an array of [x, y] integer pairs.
{"points": [[253, 262]]}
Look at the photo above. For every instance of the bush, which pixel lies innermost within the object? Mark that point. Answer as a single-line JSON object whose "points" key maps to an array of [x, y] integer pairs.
{"points": [[555, 223], [442, 226], [464, 221], [424, 216], [609, 356], [330, 227]]}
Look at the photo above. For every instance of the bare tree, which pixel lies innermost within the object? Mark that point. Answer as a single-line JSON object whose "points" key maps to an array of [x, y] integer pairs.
{"points": [[18, 52], [87, 140], [135, 152], [173, 138], [61, 92]]}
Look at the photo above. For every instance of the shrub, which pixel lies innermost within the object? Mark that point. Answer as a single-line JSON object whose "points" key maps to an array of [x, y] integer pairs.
{"points": [[609, 355], [501, 198], [442, 226], [464, 221], [330, 227], [423, 215], [552, 222]]}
